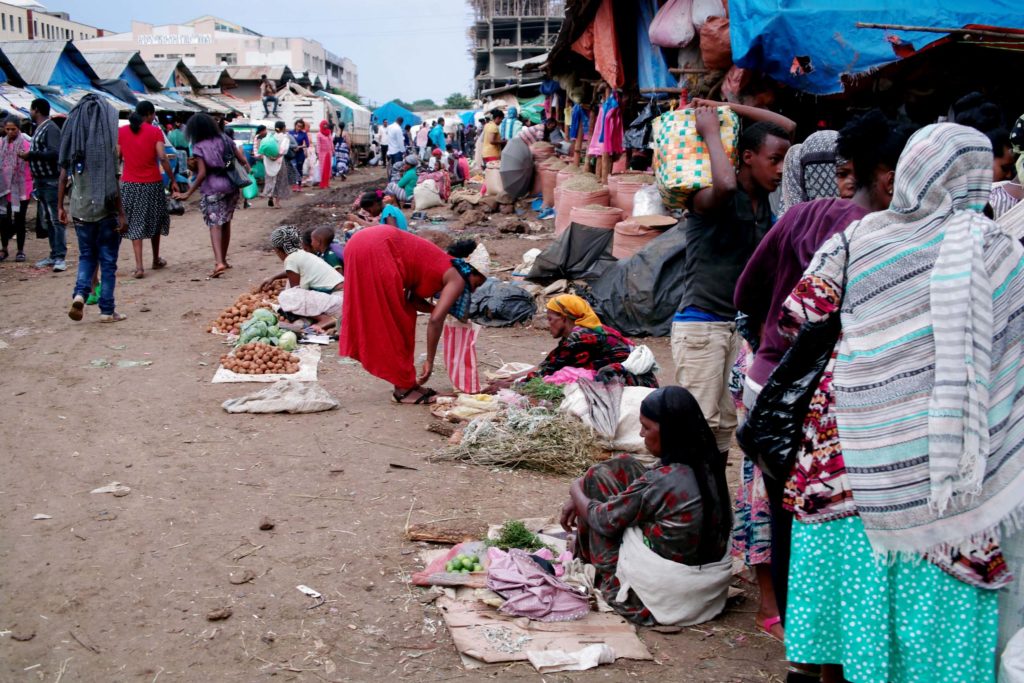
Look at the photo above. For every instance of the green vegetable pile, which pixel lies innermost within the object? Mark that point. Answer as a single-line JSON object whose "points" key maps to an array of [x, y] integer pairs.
{"points": [[262, 328], [539, 390], [514, 534], [463, 564]]}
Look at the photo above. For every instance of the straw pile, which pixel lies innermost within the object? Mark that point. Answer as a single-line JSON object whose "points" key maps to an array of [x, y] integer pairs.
{"points": [[534, 439]]}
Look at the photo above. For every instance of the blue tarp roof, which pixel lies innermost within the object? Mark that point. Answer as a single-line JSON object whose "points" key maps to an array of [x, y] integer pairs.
{"points": [[68, 73], [767, 34], [468, 117], [391, 111]]}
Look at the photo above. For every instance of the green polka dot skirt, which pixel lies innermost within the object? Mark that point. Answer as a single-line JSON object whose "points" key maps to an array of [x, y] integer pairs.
{"points": [[901, 622]]}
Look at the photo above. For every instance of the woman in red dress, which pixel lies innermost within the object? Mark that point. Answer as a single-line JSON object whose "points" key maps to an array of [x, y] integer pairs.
{"points": [[324, 152], [390, 275]]}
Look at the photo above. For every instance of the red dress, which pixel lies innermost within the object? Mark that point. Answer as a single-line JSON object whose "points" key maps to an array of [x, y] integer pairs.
{"points": [[378, 324]]}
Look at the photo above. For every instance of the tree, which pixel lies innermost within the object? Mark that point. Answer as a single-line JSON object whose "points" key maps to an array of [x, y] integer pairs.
{"points": [[420, 105], [403, 103], [458, 101]]}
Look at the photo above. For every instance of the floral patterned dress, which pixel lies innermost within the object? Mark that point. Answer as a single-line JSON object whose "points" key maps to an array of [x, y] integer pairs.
{"points": [[602, 350]]}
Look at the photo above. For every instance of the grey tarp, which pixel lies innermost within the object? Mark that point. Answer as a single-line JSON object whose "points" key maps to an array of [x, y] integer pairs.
{"points": [[580, 253], [639, 295], [500, 304], [516, 168]]}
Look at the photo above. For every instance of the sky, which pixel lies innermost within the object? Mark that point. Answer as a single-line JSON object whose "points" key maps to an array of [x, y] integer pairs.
{"points": [[407, 49]]}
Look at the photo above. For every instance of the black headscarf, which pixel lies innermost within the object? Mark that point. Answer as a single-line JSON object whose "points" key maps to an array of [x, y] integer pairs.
{"points": [[687, 439]]}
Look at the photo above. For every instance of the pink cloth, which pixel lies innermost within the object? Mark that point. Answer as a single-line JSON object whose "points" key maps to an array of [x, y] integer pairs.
{"points": [[529, 591], [324, 150], [460, 355], [570, 375], [15, 176]]}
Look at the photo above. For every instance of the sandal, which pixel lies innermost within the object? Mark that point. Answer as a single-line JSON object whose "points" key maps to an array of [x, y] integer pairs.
{"points": [[426, 397], [218, 271], [20, 258], [113, 318], [768, 624], [139, 274], [159, 263], [5, 255]]}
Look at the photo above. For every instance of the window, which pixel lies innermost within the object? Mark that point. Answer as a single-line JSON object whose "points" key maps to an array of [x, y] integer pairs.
{"points": [[189, 54], [19, 25], [227, 58], [158, 56], [3, 22], [173, 55], [35, 29]]}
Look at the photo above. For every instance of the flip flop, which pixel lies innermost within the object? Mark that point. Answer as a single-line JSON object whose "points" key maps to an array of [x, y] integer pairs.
{"points": [[159, 263], [766, 626], [425, 397], [139, 274], [218, 271]]}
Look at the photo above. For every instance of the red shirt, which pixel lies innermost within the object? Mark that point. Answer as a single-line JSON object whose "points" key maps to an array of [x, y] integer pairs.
{"points": [[139, 152]]}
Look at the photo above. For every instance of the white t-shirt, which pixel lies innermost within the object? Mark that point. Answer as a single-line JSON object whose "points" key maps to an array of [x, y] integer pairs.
{"points": [[395, 139], [312, 270]]}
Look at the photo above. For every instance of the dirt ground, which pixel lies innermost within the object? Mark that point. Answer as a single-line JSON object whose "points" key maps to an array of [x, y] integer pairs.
{"points": [[119, 588]]}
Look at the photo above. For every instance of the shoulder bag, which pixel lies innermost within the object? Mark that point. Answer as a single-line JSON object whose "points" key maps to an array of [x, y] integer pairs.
{"points": [[233, 168]]}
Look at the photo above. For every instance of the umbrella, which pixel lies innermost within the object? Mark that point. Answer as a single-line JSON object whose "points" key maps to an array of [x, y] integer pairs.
{"points": [[516, 168]]}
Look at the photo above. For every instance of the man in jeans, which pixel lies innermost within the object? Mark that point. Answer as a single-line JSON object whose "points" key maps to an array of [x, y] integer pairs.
{"points": [[725, 225], [394, 138], [42, 161], [88, 156], [269, 95]]}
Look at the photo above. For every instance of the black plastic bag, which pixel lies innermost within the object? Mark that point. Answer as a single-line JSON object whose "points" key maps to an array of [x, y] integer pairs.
{"points": [[638, 134], [773, 432], [501, 304]]}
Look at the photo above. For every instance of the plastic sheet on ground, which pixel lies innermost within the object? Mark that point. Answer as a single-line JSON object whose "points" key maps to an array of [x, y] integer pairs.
{"points": [[309, 359], [286, 396], [579, 253], [499, 304], [639, 295]]}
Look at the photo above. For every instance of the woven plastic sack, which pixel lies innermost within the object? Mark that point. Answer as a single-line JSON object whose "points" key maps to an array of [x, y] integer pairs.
{"points": [[682, 164], [672, 26], [426, 196], [631, 237], [715, 45], [704, 10]]}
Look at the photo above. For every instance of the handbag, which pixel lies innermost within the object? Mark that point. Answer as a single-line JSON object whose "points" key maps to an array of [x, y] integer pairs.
{"points": [[175, 207], [773, 432], [233, 168]]}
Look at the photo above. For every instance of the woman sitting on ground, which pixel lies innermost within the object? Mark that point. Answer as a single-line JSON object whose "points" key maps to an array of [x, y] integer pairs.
{"points": [[659, 537], [587, 344], [309, 276]]}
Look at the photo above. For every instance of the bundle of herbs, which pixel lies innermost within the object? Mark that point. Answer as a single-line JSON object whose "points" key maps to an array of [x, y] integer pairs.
{"points": [[514, 534]]}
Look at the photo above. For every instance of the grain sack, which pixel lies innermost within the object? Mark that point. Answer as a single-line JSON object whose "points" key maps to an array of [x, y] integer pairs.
{"points": [[682, 165], [623, 186], [579, 191], [595, 216], [631, 235], [547, 185], [567, 172], [492, 179]]}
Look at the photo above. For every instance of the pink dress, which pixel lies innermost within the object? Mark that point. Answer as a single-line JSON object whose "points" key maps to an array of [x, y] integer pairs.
{"points": [[324, 150]]}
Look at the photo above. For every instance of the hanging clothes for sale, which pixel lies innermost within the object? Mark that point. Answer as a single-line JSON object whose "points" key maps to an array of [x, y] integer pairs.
{"points": [[600, 43], [579, 122], [549, 89], [608, 132]]}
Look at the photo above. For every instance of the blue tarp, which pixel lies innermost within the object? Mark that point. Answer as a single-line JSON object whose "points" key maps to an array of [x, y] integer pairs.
{"points": [[391, 111], [133, 80], [652, 71], [468, 118], [767, 34], [67, 73]]}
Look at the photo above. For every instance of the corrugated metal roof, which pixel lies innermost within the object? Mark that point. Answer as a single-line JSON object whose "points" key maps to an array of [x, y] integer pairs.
{"points": [[74, 95], [35, 60], [254, 73], [110, 65], [16, 100], [163, 68], [207, 103], [167, 103], [213, 76], [231, 102]]}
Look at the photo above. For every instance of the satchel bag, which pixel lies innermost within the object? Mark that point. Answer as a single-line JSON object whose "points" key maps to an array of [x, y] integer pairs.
{"points": [[233, 168], [773, 432]]}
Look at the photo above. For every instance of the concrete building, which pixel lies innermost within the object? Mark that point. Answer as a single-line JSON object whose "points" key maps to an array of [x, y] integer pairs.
{"points": [[30, 20], [211, 41], [509, 31]]}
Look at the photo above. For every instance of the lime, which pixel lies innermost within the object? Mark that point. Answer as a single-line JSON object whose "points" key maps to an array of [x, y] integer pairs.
{"points": [[478, 567]]}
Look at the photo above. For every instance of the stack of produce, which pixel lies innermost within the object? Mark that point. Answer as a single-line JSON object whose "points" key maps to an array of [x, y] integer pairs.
{"points": [[231, 319], [463, 564], [262, 328], [260, 359]]}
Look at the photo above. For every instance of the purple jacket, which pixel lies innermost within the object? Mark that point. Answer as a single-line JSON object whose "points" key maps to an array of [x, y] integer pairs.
{"points": [[776, 267]]}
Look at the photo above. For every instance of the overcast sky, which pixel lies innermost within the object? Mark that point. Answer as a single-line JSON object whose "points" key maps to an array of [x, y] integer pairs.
{"points": [[409, 49]]}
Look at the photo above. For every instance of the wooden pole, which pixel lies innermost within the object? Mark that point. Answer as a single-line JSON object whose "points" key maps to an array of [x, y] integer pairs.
{"points": [[650, 91], [931, 29], [676, 71]]}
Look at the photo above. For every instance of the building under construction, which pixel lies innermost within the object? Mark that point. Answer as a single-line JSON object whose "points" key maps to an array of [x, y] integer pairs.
{"points": [[507, 31]]}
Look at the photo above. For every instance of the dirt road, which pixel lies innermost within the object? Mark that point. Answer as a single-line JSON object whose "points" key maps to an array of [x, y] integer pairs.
{"points": [[109, 588]]}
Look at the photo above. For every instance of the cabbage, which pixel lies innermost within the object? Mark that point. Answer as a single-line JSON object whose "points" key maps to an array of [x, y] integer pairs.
{"points": [[288, 341], [264, 315]]}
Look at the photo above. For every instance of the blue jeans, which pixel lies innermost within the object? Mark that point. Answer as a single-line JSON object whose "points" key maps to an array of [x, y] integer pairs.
{"points": [[98, 244], [266, 109], [46, 190]]}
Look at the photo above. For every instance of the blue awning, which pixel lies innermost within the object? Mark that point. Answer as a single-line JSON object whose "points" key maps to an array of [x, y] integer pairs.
{"points": [[391, 111], [811, 44]]}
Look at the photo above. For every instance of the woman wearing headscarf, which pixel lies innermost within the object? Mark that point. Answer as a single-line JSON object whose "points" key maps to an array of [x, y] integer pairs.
{"points": [[15, 188], [410, 177], [390, 275], [658, 538], [342, 154], [510, 125], [275, 185], [324, 152], [927, 400], [301, 268], [809, 171], [873, 144], [586, 343]]}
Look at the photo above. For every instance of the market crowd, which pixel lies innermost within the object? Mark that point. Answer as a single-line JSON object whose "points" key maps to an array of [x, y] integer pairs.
{"points": [[864, 285]]}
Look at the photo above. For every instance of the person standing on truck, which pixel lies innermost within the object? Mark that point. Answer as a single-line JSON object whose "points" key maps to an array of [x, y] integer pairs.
{"points": [[269, 94]]}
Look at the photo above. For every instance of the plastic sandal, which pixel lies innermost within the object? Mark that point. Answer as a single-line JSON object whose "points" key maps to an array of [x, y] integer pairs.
{"points": [[766, 626], [113, 318]]}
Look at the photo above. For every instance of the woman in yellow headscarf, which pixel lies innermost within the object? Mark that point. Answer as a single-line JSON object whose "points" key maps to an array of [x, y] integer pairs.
{"points": [[587, 344]]}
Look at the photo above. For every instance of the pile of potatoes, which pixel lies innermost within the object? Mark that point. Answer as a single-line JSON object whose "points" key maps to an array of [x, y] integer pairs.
{"points": [[231, 319], [261, 359]]}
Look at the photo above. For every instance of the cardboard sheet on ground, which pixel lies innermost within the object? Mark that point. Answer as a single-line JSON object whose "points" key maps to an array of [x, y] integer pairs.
{"points": [[309, 359], [482, 634]]}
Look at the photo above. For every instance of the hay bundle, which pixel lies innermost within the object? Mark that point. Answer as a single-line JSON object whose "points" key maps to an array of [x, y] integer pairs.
{"points": [[535, 439]]}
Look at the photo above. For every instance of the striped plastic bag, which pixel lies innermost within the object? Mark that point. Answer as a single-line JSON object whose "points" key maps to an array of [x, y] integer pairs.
{"points": [[460, 355], [682, 165]]}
